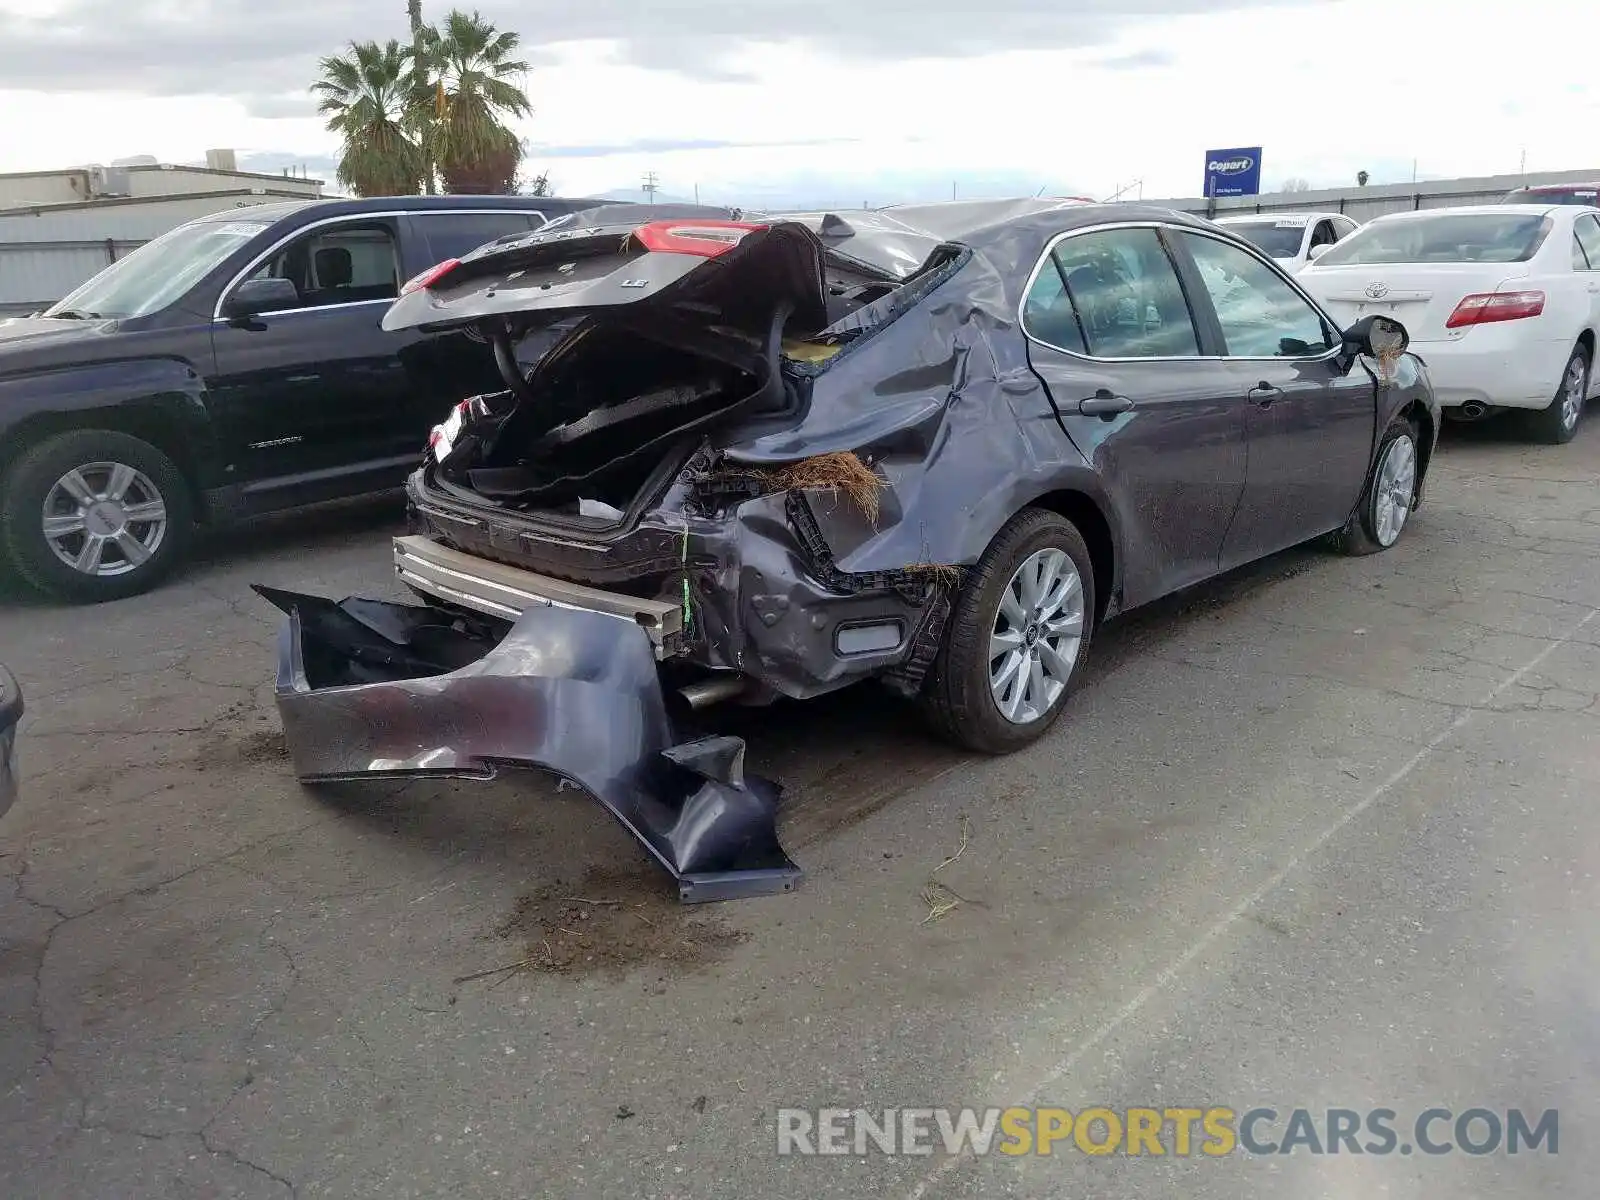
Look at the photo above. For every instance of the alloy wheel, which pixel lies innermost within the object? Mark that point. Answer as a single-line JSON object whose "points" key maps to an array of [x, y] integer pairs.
{"points": [[1033, 646], [1394, 490], [104, 518], [1572, 389]]}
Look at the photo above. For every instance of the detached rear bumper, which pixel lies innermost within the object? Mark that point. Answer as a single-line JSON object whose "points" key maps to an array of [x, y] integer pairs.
{"points": [[371, 689]]}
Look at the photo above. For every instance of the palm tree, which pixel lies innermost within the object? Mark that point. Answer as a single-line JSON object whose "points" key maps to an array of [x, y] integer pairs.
{"points": [[422, 91], [472, 68], [365, 95]]}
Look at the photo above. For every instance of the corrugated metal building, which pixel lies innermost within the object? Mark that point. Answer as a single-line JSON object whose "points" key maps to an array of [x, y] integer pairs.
{"points": [[1374, 200], [58, 228]]}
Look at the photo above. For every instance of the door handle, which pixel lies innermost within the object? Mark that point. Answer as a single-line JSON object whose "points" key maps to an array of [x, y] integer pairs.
{"points": [[1105, 405], [1264, 394]]}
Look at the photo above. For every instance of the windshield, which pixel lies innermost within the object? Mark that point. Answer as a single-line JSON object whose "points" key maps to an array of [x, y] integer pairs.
{"points": [[1453, 238], [1280, 239], [158, 272]]}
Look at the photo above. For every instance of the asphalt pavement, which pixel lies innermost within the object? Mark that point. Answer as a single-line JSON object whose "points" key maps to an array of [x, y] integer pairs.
{"points": [[1322, 835]]}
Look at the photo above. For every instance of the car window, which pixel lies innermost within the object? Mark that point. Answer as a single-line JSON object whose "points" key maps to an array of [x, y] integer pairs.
{"points": [[1260, 314], [1588, 232], [1047, 313], [1343, 227], [1446, 237], [160, 271], [1281, 239], [1580, 260], [1122, 293], [1324, 235], [344, 264], [453, 235]]}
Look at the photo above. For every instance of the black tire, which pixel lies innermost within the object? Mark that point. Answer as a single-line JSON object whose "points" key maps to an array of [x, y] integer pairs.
{"points": [[1361, 534], [1551, 424], [957, 698], [29, 483]]}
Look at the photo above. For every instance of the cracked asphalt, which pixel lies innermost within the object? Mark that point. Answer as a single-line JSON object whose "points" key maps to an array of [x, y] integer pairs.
{"points": [[1321, 834]]}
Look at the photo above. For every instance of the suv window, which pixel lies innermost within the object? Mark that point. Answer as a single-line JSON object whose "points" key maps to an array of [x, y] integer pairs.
{"points": [[1324, 235], [1260, 314], [1111, 295], [1588, 230], [452, 235], [343, 264]]}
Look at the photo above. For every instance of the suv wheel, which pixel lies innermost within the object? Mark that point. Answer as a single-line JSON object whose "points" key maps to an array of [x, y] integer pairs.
{"points": [[1016, 635], [94, 515]]}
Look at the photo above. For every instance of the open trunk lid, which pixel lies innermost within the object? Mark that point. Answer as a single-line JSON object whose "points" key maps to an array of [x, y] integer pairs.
{"points": [[731, 272]]}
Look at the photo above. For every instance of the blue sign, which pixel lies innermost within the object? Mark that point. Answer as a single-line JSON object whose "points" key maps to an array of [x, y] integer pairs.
{"points": [[1235, 172]]}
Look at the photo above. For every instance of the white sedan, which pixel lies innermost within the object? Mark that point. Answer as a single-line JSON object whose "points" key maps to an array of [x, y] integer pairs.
{"points": [[1501, 301], [1294, 239]]}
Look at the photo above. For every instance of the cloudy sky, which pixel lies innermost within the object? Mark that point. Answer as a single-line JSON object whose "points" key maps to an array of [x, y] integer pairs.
{"points": [[846, 101]]}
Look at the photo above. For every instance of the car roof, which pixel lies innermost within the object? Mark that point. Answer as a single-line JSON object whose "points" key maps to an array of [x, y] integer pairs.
{"points": [[351, 206], [1504, 210], [1296, 218]]}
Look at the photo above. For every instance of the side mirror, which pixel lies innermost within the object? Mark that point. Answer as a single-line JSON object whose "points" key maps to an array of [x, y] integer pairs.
{"points": [[1382, 338], [1317, 251], [256, 296]]}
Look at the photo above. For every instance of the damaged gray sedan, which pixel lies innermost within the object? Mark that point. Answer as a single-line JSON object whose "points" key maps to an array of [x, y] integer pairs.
{"points": [[740, 460]]}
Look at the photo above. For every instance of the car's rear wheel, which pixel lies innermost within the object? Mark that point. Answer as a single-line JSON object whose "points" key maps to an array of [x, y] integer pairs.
{"points": [[93, 515], [1390, 496], [1557, 423], [1016, 636]]}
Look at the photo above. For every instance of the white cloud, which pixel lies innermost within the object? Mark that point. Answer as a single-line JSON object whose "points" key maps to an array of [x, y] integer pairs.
{"points": [[1327, 89]]}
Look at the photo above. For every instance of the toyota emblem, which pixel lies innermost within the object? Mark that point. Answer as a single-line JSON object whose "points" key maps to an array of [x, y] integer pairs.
{"points": [[1377, 291]]}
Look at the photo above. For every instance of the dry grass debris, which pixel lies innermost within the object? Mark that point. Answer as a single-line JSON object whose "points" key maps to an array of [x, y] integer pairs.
{"points": [[838, 471]]}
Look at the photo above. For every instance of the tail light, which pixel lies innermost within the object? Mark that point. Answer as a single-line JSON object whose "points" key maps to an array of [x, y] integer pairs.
{"points": [[708, 239], [1486, 308], [430, 277]]}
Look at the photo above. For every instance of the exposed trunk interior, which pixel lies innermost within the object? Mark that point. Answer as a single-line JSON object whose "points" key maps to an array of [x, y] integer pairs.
{"points": [[604, 419]]}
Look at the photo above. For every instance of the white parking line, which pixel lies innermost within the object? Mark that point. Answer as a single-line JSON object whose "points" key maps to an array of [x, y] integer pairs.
{"points": [[1170, 973]]}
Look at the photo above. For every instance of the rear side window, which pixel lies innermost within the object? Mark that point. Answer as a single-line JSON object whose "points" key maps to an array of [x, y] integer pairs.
{"points": [[1588, 231], [452, 235], [1450, 237], [1113, 294]]}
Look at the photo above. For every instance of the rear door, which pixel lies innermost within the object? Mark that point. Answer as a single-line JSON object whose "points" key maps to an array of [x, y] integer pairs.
{"points": [[1309, 425], [1111, 334], [314, 399], [1587, 232], [450, 366]]}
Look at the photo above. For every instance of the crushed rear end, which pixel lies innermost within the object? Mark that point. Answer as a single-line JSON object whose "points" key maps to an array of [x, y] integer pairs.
{"points": [[676, 499]]}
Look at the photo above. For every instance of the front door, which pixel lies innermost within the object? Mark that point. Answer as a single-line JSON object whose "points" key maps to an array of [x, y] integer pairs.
{"points": [[315, 400], [1112, 336], [1309, 425]]}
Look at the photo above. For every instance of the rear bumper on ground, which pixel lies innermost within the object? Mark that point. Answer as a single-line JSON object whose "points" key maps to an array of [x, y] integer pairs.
{"points": [[367, 689], [1494, 371]]}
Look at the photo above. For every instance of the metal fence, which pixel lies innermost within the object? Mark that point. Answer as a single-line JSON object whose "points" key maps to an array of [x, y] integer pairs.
{"points": [[32, 274], [1376, 200]]}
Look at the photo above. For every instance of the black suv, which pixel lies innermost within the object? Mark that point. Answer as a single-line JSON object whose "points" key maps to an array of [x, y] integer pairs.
{"points": [[233, 366]]}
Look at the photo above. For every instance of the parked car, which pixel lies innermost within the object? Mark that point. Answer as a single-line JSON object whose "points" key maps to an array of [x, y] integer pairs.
{"points": [[1501, 301], [11, 709], [1293, 239], [936, 448], [231, 367], [1583, 195]]}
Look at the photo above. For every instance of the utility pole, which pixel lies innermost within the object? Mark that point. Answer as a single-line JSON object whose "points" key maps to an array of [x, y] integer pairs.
{"points": [[1522, 167], [651, 186]]}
